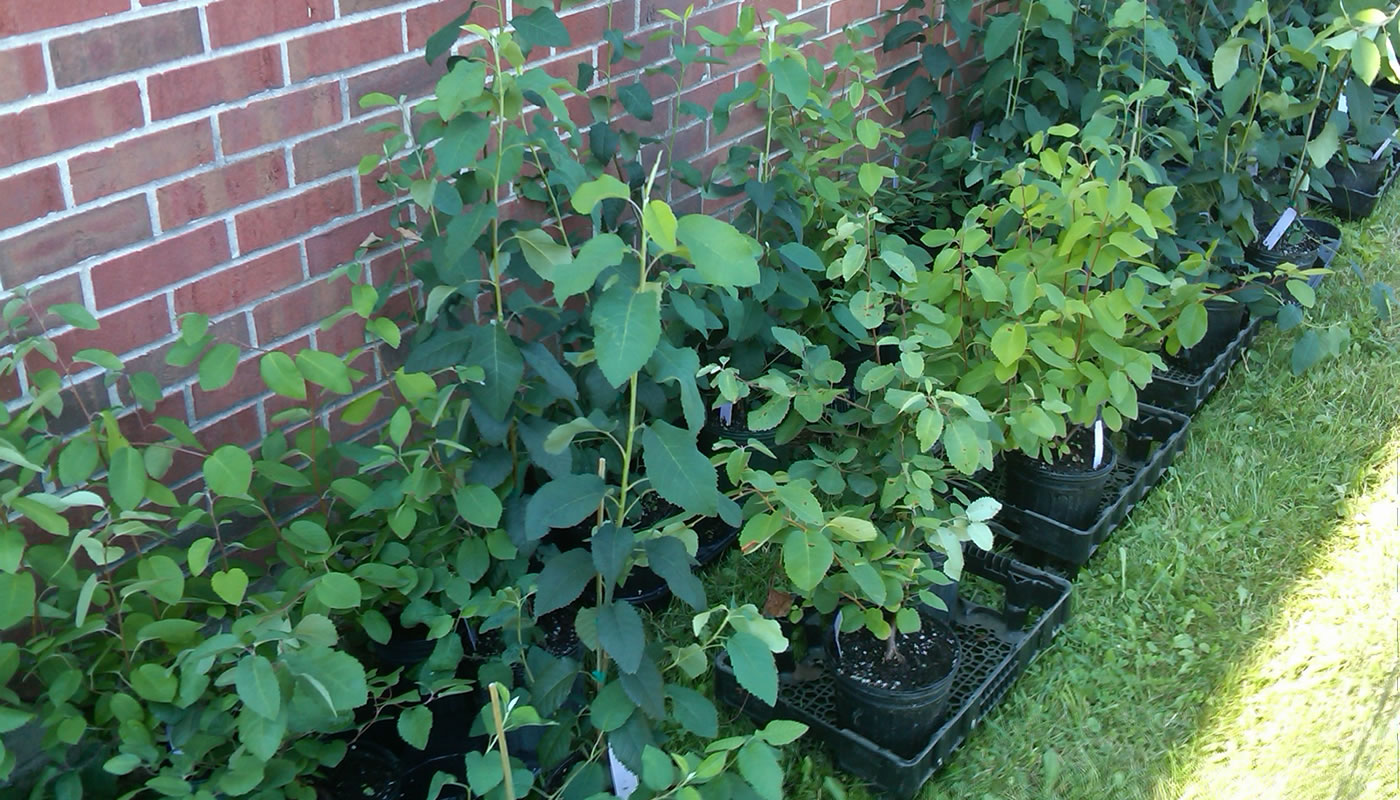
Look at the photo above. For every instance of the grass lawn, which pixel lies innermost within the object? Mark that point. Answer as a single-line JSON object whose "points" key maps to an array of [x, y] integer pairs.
{"points": [[1239, 637]]}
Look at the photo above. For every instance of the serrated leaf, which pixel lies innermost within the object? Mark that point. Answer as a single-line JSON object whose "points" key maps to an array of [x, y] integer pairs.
{"points": [[257, 686], [627, 323], [562, 502], [678, 471], [721, 254], [621, 635], [753, 665], [414, 725]]}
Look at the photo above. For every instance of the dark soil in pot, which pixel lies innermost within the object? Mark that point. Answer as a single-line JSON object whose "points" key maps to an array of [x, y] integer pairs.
{"points": [[1068, 489], [715, 537], [1298, 246], [368, 770], [898, 701], [1224, 318]]}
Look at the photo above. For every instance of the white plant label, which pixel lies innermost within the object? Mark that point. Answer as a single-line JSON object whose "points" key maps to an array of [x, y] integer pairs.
{"points": [[1342, 104], [1381, 149], [1098, 443], [1280, 227], [623, 780]]}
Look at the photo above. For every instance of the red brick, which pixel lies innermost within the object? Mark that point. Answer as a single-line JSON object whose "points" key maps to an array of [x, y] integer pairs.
{"points": [[65, 242], [171, 261], [9, 387], [279, 221], [425, 21], [22, 73], [298, 309], [344, 47], [41, 130], [278, 118], [119, 332], [141, 160], [43, 296], [240, 427], [413, 79], [23, 16], [232, 329], [234, 21], [586, 27], [219, 81], [241, 284], [247, 384], [339, 149], [348, 7], [30, 195], [221, 189], [124, 47], [337, 246]]}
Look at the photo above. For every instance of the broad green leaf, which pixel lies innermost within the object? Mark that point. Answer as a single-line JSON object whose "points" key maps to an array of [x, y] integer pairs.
{"points": [[668, 558], [562, 580], [597, 254], [495, 352], [228, 471], [217, 366], [791, 79], [621, 635], [563, 502], [612, 547], [230, 586], [657, 770], [542, 253], [680, 365], [1001, 35], [459, 149], [1009, 343], [414, 725], [693, 711], [721, 254], [983, 509], [336, 677], [806, 558], [325, 370], [257, 686], [753, 666], [960, 441], [678, 471], [308, 535], [782, 731], [1366, 59], [660, 224], [458, 87], [154, 682], [76, 462], [853, 529], [1191, 324], [870, 177], [478, 505], [280, 374], [16, 598], [1302, 292], [41, 515], [76, 315], [868, 133], [1226, 61], [627, 323], [1324, 145], [605, 186], [126, 478], [338, 590], [635, 98], [541, 28]]}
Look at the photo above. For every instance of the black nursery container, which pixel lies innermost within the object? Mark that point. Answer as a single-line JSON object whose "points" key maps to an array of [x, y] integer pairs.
{"points": [[1069, 496], [1305, 254], [1224, 319], [899, 720]]}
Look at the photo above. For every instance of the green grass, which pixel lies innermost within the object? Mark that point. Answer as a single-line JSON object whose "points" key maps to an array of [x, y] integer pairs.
{"points": [[1240, 635]]}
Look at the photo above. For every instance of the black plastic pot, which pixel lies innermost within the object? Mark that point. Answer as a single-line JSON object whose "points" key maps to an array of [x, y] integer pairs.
{"points": [[1060, 492], [1224, 318], [715, 431], [368, 770], [897, 719], [1304, 254], [715, 538]]}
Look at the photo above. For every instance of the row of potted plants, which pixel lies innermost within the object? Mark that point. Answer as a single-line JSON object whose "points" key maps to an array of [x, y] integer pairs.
{"points": [[431, 575]]}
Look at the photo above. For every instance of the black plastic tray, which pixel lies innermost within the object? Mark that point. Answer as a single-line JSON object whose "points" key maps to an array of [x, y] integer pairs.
{"points": [[997, 645], [1153, 441], [1353, 204], [1181, 390]]}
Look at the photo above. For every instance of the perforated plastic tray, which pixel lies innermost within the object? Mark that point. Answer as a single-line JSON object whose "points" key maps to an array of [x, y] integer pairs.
{"points": [[1181, 390], [997, 645], [1152, 443]]}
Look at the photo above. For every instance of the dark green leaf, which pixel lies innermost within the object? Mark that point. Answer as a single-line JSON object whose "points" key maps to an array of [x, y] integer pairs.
{"points": [[217, 366], [668, 558], [680, 365], [542, 28], [126, 478], [495, 352], [791, 80], [753, 666], [620, 633], [612, 547], [678, 471], [414, 725], [563, 502], [694, 711], [628, 326], [280, 374], [1002, 31], [637, 100], [16, 598], [257, 686], [562, 580]]}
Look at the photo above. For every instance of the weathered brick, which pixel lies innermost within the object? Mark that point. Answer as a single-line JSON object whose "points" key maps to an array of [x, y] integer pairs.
{"points": [[124, 47], [278, 118], [427, 20], [41, 130], [338, 149], [344, 47], [171, 261], [337, 246], [281, 220], [65, 242], [234, 21], [356, 6], [24, 16], [211, 82], [247, 384], [141, 160], [413, 78], [241, 284], [30, 195], [239, 428], [22, 73], [221, 189], [298, 309], [43, 296]]}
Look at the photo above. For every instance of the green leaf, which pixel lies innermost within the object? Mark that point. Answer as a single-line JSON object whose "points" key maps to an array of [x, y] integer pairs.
{"points": [[660, 224], [41, 515], [782, 731], [414, 724], [868, 132], [637, 100], [459, 149], [308, 535], [596, 255], [693, 711], [668, 558], [680, 365], [562, 580], [495, 352], [126, 478], [604, 186], [721, 254], [78, 316], [217, 366], [628, 326], [228, 471], [678, 470], [261, 736], [478, 505], [1001, 35], [611, 708], [1366, 59], [1009, 343], [13, 719], [1324, 146], [257, 686], [280, 374], [541, 28], [806, 558], [753, 666], [338, 590], [230, 586], [154, 682], [16, 598], [542, 253], [562, 502], [989, 284], [121, 764], [1302, 292], [1307, 351], [336, 677], [1226, 62], [983, 509], [1191, 324], [960, 441], [870, 176], [101, 358], [790, 78], [458, 87], [657, 770], [621, 635], [325, 370]]}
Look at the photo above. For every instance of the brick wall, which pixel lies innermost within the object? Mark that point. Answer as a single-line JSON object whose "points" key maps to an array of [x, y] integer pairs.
{"points": [[165, 156]]}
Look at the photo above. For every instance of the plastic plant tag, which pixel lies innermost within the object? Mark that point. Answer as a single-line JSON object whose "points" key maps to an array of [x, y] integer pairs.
{"points": [[623, 780], [976, 131], [1385, 144], [1342, 103], [726, 413], [896, 175], [1276, 233], [836, 640], [1098, 442]]}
